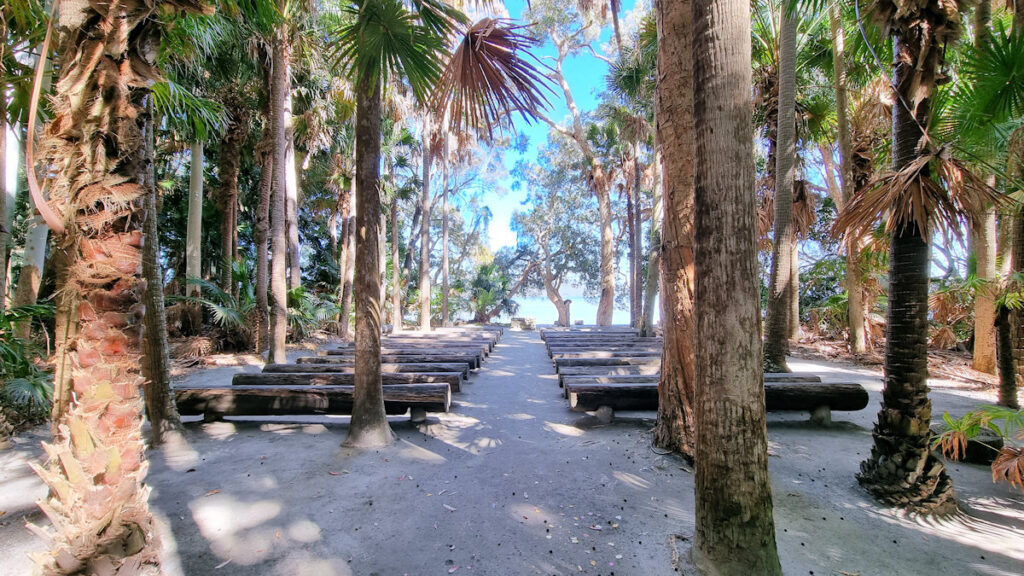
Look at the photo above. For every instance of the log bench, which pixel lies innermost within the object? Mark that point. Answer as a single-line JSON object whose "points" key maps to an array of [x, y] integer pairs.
{"points": [[411, 351], [314, 368], [818, 398], [349, 358], [619, 361], [452, 379], [215, 403], [419, 348], [608, 354], [652, 373]]}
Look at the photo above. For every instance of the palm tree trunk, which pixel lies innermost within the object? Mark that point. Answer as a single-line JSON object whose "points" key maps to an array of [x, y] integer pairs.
{"points": [[855, 295], [260, 234], [292, 206], [674, 114], [230, 165], [31, 270], [5, 233], [1007, 368], [903, 470], [632, 249], [653, 280], [193, 317], [396, 270], [348, 273], [369, 426], [638, 228], [793, 333], [279, 194], [606, 303], [428, 158], [97, 498], [445, 312], [156, 362], [777, 322], [732, 448]]}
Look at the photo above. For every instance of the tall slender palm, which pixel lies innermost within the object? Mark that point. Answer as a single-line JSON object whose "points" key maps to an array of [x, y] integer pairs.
{"points": [[735, 531], [902, 469], [485, 79], [97, 144], [780, 288]]}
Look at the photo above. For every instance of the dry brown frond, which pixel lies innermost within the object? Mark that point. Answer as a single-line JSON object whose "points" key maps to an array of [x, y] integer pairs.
{"points": [[1009, 466], [953, 444], [487, 79], [804, 209], [943, 339], [911, 195]]}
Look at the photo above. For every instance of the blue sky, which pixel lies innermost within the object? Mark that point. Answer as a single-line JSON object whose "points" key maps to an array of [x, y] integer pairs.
{"points": [[586, 76]]}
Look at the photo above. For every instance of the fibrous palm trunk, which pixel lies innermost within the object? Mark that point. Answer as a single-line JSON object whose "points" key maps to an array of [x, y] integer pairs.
{"points": [[98, 137], [260, 233], [735, 531], [674, 111], [396, 271], [369, 426], [278, 226], [193, 317], [903, 469], [855, 296], [228, 171], [777, 326]]}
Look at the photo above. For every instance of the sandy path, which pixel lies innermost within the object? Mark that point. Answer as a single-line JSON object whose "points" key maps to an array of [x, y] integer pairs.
{"points": [[512, 483]]}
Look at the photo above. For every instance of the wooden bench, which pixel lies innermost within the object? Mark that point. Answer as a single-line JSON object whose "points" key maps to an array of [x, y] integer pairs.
{"points": [[619, 361], [653, 374], [305, 368], [403, 351], [595, 354], [215, 403], [473, 360], [818, 398], [452, 379]]}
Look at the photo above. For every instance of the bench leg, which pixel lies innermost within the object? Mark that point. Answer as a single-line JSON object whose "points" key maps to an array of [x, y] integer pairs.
{"points": [[418, 415], [821, 416], [209, 416], [604, 414]]}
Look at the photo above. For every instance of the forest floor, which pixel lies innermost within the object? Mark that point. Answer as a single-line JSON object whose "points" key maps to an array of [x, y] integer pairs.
{"points": [[511, 482]]}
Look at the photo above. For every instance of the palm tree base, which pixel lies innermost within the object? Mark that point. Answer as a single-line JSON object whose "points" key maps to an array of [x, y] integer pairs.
{"points": [[369, 437], [905, 472]]}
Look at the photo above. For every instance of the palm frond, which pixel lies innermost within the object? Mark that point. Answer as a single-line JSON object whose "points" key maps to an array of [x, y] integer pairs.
{"points": [[487, 79], [200, 118], [911, 195]]}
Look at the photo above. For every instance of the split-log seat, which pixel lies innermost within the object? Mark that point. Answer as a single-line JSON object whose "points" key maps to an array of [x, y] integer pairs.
{"points": [[452, 379]]}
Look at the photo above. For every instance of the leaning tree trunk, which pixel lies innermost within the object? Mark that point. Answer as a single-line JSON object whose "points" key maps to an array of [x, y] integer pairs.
{"points": [[674, 113], [855, 295], [903, 469], [278, 226], [156, 362], [193, 317], [735, 532], [97, 500], [606, 303], [780, 287], [424, 283], [369, 426]]}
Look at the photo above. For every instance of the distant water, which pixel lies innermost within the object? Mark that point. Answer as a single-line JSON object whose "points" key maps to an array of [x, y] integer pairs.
{"points": [[543, 311]]}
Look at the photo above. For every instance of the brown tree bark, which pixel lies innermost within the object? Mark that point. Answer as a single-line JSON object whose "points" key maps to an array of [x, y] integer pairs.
{"points": [[278, 226], [674, 114], [369, 425], [732, 447], [260, 233], [228, 170]]}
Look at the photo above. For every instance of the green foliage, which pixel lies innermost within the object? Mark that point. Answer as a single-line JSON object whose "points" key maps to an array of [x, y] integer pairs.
{"points": [[490, 290], [233, 319], [24, 386], [309, 312]]}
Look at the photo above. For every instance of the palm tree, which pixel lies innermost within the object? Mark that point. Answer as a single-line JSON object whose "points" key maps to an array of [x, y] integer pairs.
{"points": [[903, 469], [485, 79], [97, 499], [674, 114], [731, 442], [781, 286]]}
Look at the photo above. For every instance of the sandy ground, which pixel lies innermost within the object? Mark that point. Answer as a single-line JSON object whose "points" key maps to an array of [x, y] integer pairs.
{"points": [[511, 482]]}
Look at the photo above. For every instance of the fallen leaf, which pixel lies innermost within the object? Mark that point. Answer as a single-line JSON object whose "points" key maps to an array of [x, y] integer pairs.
{"points": [[212, 492], [222, 564], [449, 508], [596, 527], [342, 473], [452, 569]]}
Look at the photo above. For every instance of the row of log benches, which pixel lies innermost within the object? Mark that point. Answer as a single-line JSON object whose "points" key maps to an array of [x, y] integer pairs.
{"points": [[613, 368], [420, 371]]}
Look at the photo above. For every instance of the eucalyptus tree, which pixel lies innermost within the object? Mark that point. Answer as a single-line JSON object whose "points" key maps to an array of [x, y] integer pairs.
{"points": [[96, 143], [573, 27], [729, 410], [485, 78]]}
